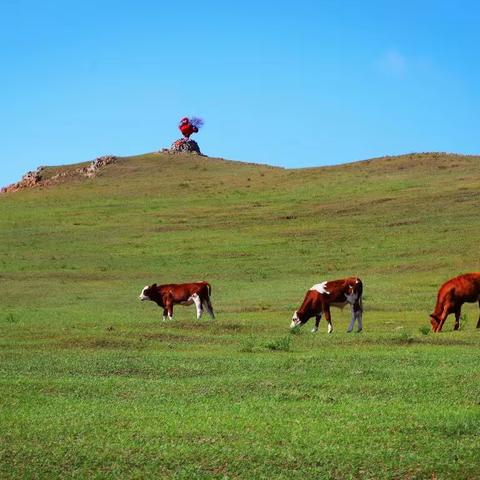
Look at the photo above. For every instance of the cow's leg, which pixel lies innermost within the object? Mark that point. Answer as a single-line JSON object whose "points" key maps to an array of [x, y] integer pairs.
{"points": [[359, 314], [170, 310], [443, 317], [439, 322], [328, 318], [165, 312], [352, 321], [317, 322], [198, 305], [458, 311], [478, 323]]}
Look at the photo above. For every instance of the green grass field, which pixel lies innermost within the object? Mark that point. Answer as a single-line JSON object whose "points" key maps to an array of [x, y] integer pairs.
{"points": [[95, 385]]}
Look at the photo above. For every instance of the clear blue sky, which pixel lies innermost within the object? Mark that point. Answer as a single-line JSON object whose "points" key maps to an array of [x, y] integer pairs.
{"points": [[291, 83]]}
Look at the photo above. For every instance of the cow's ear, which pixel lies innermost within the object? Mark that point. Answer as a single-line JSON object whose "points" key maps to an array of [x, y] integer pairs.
{"points": [[154, 285]]}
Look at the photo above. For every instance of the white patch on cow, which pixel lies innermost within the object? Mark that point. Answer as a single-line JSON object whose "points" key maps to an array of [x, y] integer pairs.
{"points": [[330, 328], [142, 295], [198, 304], [295, 320], [314, 330], [321, 288]]}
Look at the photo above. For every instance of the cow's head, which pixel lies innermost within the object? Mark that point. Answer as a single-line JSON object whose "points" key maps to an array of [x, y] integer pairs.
{"points": [[434, 321], [296, 320], [148, 292]]}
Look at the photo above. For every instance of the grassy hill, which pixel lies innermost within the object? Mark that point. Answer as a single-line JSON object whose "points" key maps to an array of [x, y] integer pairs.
{"points": [[95, 385]]}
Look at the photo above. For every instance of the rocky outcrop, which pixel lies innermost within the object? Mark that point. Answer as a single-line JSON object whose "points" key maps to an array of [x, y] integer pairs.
{"points": [[99, 163], [29, 180], [36, 178]]}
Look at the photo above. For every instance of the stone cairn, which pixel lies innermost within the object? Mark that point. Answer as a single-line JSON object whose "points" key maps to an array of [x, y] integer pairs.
{"points": [[35, 178], [183, 145]]}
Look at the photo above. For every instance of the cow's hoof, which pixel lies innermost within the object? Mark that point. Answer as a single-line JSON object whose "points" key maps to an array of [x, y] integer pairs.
{"points": [[314, 330]]}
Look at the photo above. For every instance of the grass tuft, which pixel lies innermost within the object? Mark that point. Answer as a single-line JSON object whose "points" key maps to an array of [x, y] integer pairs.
{"points": [[282, 344], [248, 344], [424, 329], [11, 318], [296, 330]]}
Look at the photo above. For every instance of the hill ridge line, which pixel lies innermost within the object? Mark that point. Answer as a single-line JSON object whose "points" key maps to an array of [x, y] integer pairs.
{"points": [[37, 178]]}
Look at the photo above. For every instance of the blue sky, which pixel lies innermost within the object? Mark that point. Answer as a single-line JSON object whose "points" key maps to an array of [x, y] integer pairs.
{"points": [[293, 83]]}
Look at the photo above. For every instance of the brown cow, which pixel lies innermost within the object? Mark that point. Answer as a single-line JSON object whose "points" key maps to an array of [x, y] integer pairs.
{"points": [[336, 293], [452, 295], [166, 296]]}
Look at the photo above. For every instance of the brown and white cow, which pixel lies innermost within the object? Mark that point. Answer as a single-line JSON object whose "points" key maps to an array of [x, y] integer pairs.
{"points": [[452, 295], [166, 296], [336, 293]]}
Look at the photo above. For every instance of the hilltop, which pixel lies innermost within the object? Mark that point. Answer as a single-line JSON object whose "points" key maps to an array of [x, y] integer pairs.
{"points": [[94, 384]]}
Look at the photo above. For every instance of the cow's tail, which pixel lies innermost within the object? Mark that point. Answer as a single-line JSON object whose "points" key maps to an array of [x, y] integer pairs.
{"points": [[207, 302]]}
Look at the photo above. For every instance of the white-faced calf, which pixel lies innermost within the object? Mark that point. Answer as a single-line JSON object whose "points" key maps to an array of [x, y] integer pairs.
{"points": [[166, 296]]}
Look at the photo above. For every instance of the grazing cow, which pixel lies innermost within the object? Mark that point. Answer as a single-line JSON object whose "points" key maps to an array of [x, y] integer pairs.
{"points": [[452, 295], [322, 296], [166, 296]]}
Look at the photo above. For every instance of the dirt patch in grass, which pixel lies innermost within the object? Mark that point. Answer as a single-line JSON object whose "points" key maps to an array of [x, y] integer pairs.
{"points": [[234, 327], [171, 227], [250, 309], [403, 223], [95, 343], [215, 338], [199, 325], [166, 337], [379, 201]]}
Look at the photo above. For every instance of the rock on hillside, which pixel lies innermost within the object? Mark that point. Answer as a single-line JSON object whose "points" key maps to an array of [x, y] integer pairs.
{"points": [[38, 178]]}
